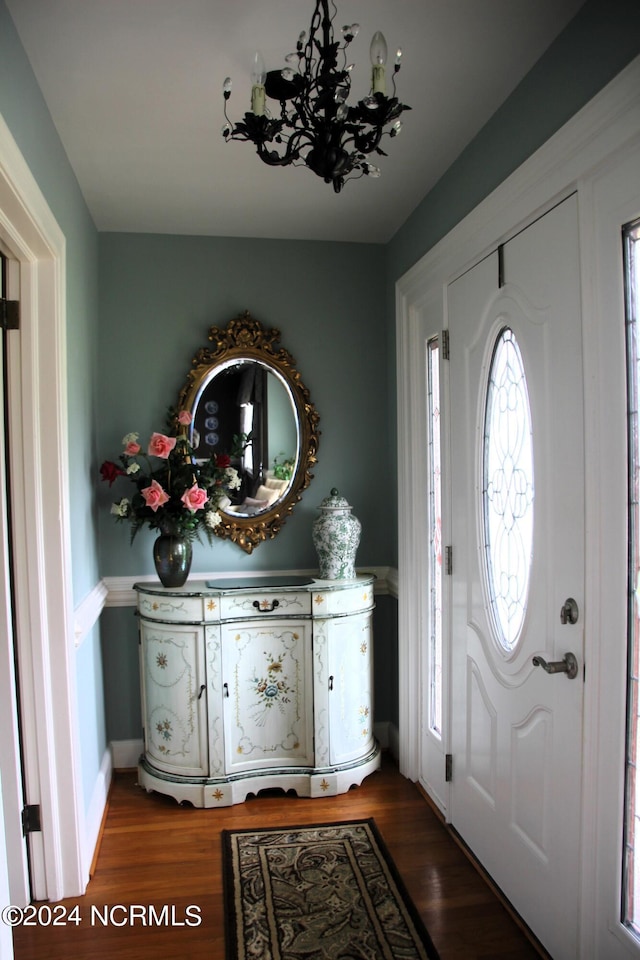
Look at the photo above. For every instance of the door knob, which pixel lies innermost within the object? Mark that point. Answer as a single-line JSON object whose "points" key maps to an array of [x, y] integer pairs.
{"points": [[568, 665]]}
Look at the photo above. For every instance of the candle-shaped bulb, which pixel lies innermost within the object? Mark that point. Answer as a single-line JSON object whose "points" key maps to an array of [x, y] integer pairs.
{"points": [[259, 72], [258, 77], [378, 52]]}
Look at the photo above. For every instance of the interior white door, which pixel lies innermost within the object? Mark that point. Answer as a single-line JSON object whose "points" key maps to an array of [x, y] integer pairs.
{"points": [[10, 748], [517, 730]]}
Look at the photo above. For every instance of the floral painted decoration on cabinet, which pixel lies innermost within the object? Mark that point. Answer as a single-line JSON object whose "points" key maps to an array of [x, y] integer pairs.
{"points": [[173, 492]]}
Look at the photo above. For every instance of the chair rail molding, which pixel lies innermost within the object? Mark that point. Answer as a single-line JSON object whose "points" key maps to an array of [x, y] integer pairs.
{"points": [[119, 592]]}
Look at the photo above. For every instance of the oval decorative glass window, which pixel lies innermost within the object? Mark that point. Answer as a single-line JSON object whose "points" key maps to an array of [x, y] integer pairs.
{"points": [[507, 490]]}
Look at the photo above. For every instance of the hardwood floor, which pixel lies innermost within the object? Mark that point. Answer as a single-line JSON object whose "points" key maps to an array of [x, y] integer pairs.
{"points": [[154, 852]]}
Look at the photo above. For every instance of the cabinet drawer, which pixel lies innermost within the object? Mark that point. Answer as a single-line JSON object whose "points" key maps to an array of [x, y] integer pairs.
{"points": [[269, 603], [178, 607], [175, 608]]}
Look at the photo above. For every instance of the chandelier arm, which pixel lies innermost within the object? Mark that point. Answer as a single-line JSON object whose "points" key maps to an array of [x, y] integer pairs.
{"points": [[291, 152], [370, 141], [356, 176]]}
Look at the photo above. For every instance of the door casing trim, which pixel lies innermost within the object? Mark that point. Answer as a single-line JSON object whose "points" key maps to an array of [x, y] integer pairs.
{"points": [[44, 615]]}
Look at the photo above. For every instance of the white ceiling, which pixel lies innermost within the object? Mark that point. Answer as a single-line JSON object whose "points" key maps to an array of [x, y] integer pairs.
{"points": [[135, 90]]}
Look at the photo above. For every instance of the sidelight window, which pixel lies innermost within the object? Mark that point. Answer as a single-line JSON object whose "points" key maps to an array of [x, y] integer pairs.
{"points": [[631, 867], [435, 539]]}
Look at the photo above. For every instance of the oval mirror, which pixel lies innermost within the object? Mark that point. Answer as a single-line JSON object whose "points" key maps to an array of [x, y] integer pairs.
{"points": [[248, 401]]}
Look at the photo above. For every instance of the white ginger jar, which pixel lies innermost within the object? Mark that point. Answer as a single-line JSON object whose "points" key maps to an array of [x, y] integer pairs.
{"points": [[336, 536]]}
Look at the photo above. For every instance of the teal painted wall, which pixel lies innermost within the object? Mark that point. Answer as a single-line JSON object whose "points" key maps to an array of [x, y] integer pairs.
{"points": [[602, 38], [25, 113], [160, 295]]}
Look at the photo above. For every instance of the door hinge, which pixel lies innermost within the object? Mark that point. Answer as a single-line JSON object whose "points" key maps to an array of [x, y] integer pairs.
{"points": [[9, 314], [448, 560], [445, 344], [31, 819], [448, 767]]}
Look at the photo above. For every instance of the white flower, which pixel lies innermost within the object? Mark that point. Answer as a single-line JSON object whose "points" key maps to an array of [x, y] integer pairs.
{"points": [[212, 518], [120, 509], [133, 467], [233, 478], [130, 438]]}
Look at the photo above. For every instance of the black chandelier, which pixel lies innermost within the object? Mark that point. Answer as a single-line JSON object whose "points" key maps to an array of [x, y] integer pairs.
{"points": [[316, 127]]}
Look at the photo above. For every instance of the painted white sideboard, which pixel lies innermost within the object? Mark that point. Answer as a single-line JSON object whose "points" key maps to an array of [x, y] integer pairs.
{"points": [[251, 685]]}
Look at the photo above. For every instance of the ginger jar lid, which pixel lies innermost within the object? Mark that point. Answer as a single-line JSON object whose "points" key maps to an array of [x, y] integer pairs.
{"points": [[335, 503]]}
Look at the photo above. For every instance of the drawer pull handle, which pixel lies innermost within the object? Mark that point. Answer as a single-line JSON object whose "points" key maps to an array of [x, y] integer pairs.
{"points": [[263, 605], [225, 687], [331, 682], [202, 689]]}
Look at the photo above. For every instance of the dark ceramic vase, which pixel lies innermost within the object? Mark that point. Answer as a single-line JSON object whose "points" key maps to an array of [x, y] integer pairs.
{"points": [[172, 557]]}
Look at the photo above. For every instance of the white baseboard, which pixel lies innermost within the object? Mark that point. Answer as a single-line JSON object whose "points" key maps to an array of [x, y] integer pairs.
{"points": [[394, 741], [96, 810], [386, 733], [125, 753]]}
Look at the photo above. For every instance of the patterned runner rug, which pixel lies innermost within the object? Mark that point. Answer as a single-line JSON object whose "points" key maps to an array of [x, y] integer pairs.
{"points": [[324, 892]]}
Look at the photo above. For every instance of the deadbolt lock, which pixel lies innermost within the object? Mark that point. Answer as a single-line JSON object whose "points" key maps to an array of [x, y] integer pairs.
{"points": [[569, 611]]}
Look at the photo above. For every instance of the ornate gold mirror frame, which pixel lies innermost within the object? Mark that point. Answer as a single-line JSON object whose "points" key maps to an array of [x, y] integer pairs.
{"points": [[244, 346]]}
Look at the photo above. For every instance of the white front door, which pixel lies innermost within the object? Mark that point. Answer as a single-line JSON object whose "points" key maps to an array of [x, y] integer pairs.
{"points": [[518, 555]]}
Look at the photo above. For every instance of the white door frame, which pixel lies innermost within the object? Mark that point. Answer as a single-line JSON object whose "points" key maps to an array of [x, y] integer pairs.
{"points": [[44, 617], [612, 199], [567, 162]]}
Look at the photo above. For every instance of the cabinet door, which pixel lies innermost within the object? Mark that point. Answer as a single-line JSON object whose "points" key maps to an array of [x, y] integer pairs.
{"points": [[349, 687], [173, 702], [214, 700], [267, 695]]}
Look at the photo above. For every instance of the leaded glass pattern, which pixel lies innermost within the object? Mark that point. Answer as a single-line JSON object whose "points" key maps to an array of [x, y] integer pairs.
{"points": [[435, 540], [631, 866], [507, 490]]}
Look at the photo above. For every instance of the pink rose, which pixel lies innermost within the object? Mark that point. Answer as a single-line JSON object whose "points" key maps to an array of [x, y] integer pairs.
{"points": [[161, 446], [195, 498], [132, 448], [185, 418], [154, 495]]}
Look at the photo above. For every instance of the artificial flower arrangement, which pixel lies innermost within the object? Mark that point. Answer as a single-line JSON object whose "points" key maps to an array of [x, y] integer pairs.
{"points": [[174, 493]]}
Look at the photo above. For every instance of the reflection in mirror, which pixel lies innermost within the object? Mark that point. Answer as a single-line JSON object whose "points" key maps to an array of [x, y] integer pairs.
{"points": [[245, 408], [248, 402]]}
